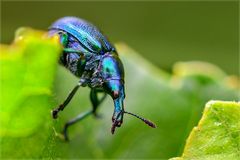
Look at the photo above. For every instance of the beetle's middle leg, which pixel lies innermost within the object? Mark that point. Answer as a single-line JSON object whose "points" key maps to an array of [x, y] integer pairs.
{"points": [[95, 103]]}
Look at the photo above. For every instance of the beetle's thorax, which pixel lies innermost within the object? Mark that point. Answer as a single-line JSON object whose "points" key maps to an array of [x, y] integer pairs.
{"points": [[103, 68], [111, 67]]}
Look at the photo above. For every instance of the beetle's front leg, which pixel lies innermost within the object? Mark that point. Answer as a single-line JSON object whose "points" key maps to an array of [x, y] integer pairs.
{"points": [[67, 100]]}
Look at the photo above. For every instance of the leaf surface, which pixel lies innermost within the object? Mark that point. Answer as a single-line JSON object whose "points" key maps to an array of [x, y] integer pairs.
{"points": [[217, 135]]}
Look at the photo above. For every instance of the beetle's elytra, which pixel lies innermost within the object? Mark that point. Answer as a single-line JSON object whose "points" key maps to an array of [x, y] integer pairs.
{"points": [[90, 56]]}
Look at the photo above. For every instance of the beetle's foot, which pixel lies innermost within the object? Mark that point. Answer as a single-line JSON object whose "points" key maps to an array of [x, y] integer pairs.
{"points": [[97, 115], [55, 113], [56, 110], [65, 134]]}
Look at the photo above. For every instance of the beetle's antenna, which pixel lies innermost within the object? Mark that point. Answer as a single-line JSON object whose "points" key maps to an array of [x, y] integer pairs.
{"points": [[148, 122]]}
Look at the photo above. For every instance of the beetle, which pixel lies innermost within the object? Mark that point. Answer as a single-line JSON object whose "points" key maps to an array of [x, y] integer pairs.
{"points": [[90, 56]]}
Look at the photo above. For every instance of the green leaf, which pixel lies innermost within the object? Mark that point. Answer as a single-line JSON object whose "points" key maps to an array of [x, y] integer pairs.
{"points": [[172, 101], [28, 67], [217, 135]]}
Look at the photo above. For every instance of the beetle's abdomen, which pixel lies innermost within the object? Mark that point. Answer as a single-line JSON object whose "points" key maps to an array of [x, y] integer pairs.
{"points": [[87, 35]]}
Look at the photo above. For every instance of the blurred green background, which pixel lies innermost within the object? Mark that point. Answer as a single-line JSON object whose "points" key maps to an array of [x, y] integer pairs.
{"points": [[163, 32]]}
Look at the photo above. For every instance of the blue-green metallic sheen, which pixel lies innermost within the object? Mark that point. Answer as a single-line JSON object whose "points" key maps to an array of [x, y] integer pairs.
{"points": [[90, 56], [112, 67], [85, 33]]}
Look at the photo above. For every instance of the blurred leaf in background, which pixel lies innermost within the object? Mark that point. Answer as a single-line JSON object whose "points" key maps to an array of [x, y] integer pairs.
{"points": [[174, 102]]}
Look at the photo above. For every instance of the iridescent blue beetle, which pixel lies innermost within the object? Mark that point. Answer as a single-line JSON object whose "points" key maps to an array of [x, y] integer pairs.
{"points": [[89, 55]]}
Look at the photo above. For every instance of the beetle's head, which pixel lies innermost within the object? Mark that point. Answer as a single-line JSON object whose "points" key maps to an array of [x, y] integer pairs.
{"points": [[116, 91], [113, 74]]}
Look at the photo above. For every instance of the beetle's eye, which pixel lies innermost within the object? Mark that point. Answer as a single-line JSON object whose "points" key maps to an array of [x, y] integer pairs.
{"points": [[60, 33], [63, 38], [115, 94]]}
